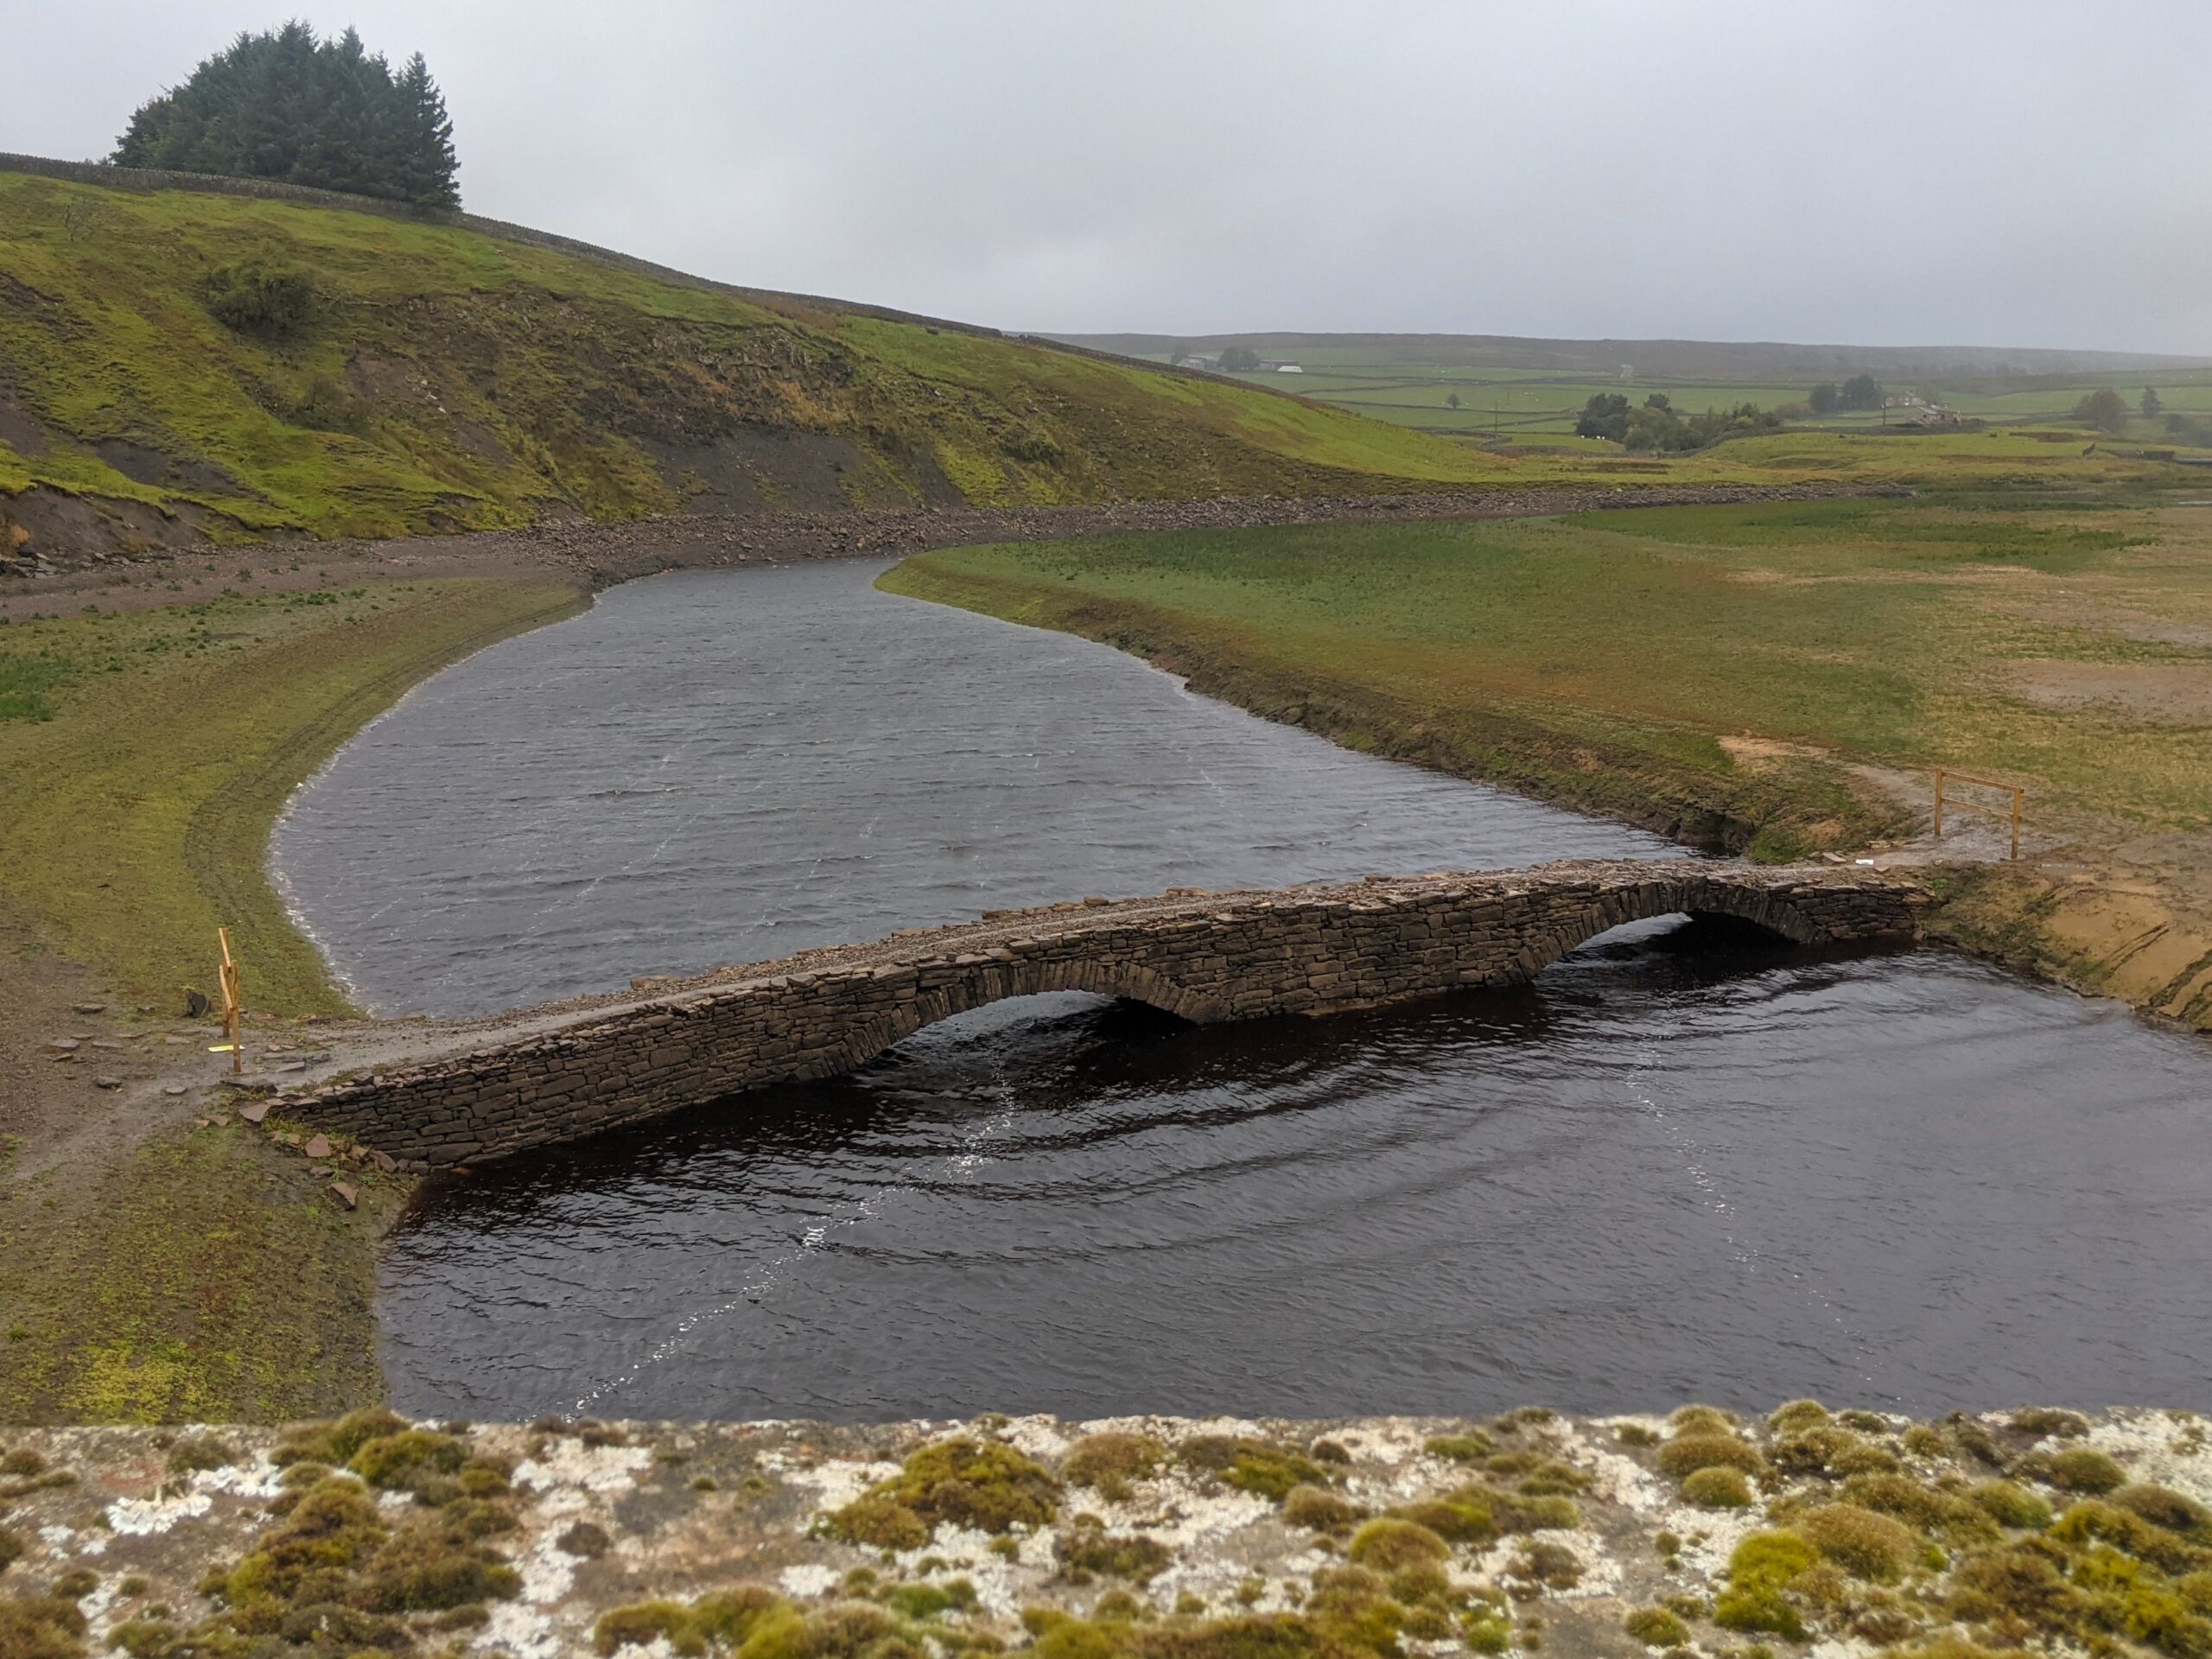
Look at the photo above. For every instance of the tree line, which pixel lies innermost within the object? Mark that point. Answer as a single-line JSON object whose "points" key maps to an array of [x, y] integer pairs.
{"points": [[1657, 426], [1861, 391], [283, 105]]}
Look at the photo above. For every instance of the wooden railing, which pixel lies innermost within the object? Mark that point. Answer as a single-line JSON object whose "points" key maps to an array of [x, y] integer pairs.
{"points": [[1966, 804]]}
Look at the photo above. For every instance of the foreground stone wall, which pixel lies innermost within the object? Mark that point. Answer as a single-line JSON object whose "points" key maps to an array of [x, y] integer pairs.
{"points": [[1130, 1538], [1201, 956]]}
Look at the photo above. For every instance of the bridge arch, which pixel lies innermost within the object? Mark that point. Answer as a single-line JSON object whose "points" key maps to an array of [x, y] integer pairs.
{"points": [[986, 983], [1696, 896]]}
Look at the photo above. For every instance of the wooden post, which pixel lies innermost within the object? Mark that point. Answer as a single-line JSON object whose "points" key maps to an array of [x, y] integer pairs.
{"points": [[2016, 826], [231, 1011], [1939, 802]]}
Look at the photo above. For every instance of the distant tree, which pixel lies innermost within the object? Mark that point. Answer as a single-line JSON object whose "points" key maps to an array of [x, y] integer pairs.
{"points": [[1825, 399], [2152, 405], [1658, 400], [1861, 391], [1179, 354], [1451, 400], [283, 105], [1606, 415], [2105, 410], [1239, 359]]}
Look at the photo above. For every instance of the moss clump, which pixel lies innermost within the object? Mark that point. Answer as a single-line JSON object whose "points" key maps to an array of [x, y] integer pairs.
{"points": [[341, 1574], [1470, 1447], [2077, 1469], [1535, 1475], [11, 1548], [749, 1616], [1702, 1419], [1930, 1509], [1108, 1462], [985, 1484], [41, 1627], [334, 1444], [1265, 1467], [1760, 1573], [194, 1452], [2010, 1504], [1636, 1434], [928, 1601], [2093, 1521], [1466, 1517], [1319, 1509], [1686, 1454], [1658, 1628], [1513, 1513], [1865, 1544], [2175, 1511], [1717, 1489], [1389, 1543], [413, 1460], [1554, 1567], [1797, 1416], [1087, 1548], [1829, 1450], [2041, 1421]]}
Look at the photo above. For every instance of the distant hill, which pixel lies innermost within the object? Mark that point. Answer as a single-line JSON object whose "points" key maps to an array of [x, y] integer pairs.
{"points": [[182, 357], [1753, 362]]}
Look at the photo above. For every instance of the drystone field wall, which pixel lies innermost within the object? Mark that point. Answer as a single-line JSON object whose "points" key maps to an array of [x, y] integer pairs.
{"points": [[1200, 956], [556, 1075]]}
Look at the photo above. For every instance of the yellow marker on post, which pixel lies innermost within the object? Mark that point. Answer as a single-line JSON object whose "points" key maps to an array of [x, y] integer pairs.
{"points": [[233, 1012]]}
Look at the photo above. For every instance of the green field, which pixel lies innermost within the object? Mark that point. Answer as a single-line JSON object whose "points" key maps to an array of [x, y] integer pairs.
{"points": [[1533, 391], [1708, 670], [442, 378], [144, 756]]}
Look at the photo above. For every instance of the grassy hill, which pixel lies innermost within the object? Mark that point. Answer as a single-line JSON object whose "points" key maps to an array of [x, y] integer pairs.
{"points": [[443, 378]]}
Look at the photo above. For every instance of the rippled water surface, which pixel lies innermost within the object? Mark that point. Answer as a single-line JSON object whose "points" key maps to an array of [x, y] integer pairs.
{"points": [[1680, 1165], [724, 766]]}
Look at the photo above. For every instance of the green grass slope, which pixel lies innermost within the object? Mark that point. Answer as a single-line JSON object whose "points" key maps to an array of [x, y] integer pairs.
{"points": [[448, 378]]}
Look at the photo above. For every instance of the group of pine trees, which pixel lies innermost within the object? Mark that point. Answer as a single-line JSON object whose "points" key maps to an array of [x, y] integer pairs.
{"points": [[285, 106]]}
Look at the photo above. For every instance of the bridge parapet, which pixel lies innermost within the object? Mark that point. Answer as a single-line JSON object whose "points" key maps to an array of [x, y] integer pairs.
{"points": [[558, 1075]]}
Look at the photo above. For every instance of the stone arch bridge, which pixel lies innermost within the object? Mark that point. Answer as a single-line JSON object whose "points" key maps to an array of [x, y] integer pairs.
{"points": [[471, 1091]]}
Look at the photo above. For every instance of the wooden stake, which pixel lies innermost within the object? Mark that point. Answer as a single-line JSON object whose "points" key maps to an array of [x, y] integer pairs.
{"points": [[1939, 802], [231, 1011]]}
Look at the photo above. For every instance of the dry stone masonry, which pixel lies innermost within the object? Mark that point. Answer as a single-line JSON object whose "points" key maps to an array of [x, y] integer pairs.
{"points": [[558, 1074]]}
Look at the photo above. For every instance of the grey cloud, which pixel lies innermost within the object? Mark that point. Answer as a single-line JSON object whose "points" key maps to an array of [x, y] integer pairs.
{"points": [[2016, 174]]}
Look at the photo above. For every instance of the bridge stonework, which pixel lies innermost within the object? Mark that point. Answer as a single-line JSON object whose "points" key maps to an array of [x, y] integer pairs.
{"points": [[561, 1074]]}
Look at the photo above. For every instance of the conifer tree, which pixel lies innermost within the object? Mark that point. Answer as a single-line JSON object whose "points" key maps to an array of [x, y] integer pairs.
{"points": [[283, 104]]}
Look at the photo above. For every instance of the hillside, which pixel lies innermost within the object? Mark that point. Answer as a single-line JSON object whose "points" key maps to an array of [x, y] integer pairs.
{"points": [[441, 376]]}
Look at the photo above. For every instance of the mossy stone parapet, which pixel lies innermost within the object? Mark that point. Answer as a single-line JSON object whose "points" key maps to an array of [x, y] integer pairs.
{"points": [[558, 1074]]}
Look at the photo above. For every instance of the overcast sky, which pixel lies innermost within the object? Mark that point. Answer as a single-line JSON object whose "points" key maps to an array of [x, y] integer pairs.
{"points": [[1886, 172]]}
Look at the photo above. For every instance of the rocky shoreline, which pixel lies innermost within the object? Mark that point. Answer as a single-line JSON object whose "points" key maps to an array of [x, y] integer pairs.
{"points": [[1851, 1533], [71, 568]]}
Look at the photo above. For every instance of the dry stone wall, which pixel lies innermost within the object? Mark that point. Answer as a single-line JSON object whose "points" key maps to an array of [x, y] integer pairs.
{"points": [[1204, 956]]}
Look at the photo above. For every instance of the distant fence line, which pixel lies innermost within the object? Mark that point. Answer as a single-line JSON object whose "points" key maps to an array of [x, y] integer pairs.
{"points": [[112, 177]]}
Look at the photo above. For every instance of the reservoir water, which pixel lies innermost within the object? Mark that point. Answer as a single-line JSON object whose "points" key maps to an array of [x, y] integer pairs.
{"points": [[1678, 1165]]}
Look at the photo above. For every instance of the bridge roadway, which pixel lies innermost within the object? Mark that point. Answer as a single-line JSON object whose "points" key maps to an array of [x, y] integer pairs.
{"points": [[567, 1070]]}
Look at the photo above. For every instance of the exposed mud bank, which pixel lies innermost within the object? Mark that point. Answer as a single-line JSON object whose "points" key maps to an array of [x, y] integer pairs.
{"points": [[92, 544]]}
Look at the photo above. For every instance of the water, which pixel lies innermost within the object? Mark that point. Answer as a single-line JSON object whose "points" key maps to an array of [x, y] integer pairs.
{"points": [[726, 766], [1679, 1166]]}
